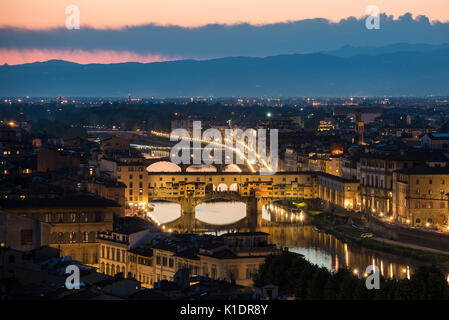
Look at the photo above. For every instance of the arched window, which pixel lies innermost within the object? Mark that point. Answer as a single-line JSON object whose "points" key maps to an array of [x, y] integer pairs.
{"points": [[60, 237], [222, 187]]}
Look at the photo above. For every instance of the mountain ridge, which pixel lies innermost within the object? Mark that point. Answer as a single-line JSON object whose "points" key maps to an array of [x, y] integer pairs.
{"points": [[320, 74]]}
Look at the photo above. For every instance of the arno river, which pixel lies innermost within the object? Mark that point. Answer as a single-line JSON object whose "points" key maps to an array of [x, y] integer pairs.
{"points": [[317, 247]]}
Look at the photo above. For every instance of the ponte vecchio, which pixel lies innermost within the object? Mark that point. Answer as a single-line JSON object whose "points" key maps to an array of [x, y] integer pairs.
{"points": [[145, 184]]}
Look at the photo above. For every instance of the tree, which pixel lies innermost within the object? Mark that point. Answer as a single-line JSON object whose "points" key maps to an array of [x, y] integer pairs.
{"points": [[317, 284]]}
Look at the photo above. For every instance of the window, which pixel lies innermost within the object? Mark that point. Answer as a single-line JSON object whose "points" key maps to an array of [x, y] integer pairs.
{"points": [[72, 237], [26, 237], [250, 270], [60, 237]]}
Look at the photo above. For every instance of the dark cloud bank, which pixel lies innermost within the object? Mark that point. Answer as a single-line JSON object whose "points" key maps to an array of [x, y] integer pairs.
{"points": [[213, 41]]}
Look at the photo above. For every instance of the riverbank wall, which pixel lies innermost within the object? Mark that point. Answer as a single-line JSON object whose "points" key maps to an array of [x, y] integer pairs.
{"points": [[399, 233]]}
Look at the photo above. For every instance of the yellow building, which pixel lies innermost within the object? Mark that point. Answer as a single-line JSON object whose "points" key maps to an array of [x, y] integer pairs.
{"points": [[420, 197], [115, 251], [132, 172], [337, 191], [140, 266], [238, 259], [164, 260]]}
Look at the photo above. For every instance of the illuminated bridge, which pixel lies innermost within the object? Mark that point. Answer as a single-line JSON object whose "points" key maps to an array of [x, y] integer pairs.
{"points": [[165, 181], [190, 189]]}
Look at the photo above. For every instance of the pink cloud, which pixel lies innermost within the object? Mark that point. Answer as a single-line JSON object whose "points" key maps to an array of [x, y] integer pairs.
{"points": [[16, 56]]}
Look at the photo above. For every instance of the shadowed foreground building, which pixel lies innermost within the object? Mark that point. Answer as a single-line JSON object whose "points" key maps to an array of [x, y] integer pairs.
{"points": [[233, 257], [22, 233], [75, 222]]}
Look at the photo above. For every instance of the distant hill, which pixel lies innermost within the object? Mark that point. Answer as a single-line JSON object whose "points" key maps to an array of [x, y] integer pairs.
{"points": [[393, 73], [351, 51]]}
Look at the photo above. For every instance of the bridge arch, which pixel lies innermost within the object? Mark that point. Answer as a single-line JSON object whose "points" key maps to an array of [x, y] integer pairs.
{"points": [[210, 187], [219, 213], [163, 166], [234, 187], [222, 187]]}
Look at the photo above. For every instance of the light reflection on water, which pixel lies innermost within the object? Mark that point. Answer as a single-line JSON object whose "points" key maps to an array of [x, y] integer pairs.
{"points": [[165, 212], [317, 247], [327, 251], [220, 213]]}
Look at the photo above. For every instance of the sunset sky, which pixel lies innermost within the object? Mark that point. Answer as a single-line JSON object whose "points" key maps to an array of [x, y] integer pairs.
{"points": [[117, 14]]}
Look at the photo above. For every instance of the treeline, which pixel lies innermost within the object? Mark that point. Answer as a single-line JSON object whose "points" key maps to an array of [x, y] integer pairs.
{"points": [[149, 116], [296, 276], [58, 128]]}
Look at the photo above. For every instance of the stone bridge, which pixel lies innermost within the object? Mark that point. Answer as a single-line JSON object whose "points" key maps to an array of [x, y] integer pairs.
{"points": [[187, 221]]}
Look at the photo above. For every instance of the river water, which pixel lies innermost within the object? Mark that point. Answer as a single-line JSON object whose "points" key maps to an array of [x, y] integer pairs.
{"points": [[317, 247]]}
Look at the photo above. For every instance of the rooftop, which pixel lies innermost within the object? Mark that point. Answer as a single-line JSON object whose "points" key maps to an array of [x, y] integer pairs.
{"points": [[336, 178], [74, 201], [425, 170], [240, 234]]}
